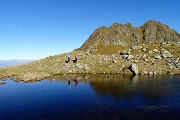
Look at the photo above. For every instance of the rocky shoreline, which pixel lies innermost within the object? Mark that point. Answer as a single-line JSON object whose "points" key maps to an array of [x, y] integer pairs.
{"points": [[146, 59]]}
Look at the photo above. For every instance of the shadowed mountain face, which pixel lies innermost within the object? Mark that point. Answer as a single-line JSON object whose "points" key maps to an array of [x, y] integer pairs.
{"points": [[120, 36]]}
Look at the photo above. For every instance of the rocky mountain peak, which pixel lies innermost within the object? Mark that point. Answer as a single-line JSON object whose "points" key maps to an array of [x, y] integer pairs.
{"points": [[157, 32], [120, 36]]}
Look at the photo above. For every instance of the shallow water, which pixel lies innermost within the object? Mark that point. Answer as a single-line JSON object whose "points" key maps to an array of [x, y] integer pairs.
{"points": [[92, 97]]}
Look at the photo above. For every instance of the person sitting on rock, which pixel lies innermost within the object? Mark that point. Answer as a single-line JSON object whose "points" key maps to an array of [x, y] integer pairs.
{"points": [[75, 59]]}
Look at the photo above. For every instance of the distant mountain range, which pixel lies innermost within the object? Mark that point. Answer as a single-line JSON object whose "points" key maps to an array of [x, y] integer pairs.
{"points": [[12, 62]]}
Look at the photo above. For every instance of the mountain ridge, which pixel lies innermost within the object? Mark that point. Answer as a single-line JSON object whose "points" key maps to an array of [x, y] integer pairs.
{"points": [[125, 35]]}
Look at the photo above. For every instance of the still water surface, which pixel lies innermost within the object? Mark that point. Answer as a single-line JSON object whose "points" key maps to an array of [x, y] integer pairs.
{"points": [[101, 97]]}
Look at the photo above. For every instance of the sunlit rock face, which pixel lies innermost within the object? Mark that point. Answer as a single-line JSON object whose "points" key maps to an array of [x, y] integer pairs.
{"points": [[126, 35]]}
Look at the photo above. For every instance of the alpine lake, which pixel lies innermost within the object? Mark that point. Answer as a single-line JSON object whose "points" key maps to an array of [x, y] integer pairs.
{"points": [[92, 97]]}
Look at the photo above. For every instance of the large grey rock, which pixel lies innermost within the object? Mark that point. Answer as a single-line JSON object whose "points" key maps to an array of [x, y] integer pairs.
{"points": [[134, 69], [166, 54]]}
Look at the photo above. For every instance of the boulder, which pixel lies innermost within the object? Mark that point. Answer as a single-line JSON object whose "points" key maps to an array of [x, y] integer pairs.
{"points": [[144, 49], [166, 54], [155, 50], [157, 57], [134, 69]]}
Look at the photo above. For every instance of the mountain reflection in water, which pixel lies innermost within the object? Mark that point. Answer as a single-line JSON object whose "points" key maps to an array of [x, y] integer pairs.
{"points": [[118, 86], [91, 97]]}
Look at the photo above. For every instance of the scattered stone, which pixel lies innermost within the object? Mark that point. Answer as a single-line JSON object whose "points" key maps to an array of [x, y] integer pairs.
{"points": [[143, 56], [130, 57], [136, 61], [127, 57], [157, 57], [145, 72], [146, 60], [124, 52], [114, 61], [150, 52], [137, 47], [166, 54], [105, 58], [155, 50], [152, 59], [92, 64], [150, 73], [144, 49]]}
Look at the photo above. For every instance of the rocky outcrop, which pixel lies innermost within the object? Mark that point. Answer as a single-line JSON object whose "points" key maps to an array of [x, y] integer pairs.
{"points": [[134, 69], [157, 32], [122, 36]]}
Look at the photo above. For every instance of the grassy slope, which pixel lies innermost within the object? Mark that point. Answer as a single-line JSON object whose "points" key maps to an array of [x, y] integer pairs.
{"points": [[97, 63]]}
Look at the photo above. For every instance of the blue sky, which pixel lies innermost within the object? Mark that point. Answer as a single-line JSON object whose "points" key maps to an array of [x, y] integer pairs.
{"points": [[34, 29]]}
